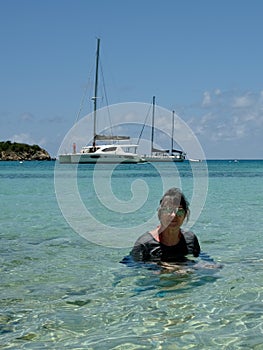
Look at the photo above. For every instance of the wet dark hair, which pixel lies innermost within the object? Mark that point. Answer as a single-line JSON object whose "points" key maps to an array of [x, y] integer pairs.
{"points": [[176, 196]]}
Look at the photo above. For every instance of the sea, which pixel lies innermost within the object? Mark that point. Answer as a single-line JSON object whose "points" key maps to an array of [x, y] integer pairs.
{"points": [[65, 229]]}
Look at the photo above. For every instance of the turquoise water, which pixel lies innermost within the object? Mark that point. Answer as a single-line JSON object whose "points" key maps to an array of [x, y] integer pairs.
{"points": [[62, 291]]}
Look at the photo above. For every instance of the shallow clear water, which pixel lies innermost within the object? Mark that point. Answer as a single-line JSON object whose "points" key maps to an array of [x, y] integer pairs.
{"points": [[61, 291]]}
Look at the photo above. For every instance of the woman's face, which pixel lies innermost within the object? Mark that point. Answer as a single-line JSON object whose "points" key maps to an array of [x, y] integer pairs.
{"points": [[171, 214]]}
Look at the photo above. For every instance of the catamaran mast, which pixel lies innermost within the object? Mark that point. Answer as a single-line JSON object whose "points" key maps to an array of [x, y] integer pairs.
{"points": [[153, 125], [172, 139], [96, 92]]}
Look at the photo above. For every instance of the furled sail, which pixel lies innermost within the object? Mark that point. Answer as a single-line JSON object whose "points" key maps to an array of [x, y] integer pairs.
{"points": [[177, 151], [160, 150], [111, 138]]}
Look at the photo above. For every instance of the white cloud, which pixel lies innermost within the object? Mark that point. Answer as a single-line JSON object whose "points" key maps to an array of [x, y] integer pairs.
{"points": [[227, 116], [206, 99], [243, 101], [22, 138], [27, 138], [207, 118]]}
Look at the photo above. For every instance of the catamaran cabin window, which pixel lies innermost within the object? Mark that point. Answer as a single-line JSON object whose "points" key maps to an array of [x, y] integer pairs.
{"points": [[109, 149]]}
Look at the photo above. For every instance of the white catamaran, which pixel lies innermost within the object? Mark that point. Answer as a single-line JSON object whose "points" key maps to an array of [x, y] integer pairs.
{"points": [[163, 155], [111, 151]]}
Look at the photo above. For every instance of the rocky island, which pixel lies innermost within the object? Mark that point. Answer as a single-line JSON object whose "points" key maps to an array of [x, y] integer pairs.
{"points": [[22, 151]]}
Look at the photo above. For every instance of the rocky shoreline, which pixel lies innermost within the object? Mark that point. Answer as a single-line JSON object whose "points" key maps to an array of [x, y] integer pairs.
{"points": [[21, 151]]}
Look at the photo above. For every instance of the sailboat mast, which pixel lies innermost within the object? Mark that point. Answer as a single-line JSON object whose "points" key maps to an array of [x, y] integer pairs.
{"points": [[96, 92], [172, 140], [153, 125]]}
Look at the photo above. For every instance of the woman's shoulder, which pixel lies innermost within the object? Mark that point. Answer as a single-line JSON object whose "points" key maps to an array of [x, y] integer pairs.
{"points": [[188, 234], [191, 242], [145, 238]]}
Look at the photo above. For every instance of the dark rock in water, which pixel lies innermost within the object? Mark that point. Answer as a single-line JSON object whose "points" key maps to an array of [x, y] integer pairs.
{"points": [[22, 151]]}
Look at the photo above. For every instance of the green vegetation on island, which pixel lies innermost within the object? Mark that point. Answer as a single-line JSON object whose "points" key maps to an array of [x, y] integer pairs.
{"points": [[22, 151]]}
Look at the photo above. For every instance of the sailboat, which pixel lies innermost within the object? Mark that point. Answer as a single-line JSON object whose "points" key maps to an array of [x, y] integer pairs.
{"points": [[163, 155], [111, 151]]}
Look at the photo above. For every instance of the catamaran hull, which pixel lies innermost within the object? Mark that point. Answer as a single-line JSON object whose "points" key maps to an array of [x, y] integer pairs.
{"points": [[155, 159], [96, 158]]}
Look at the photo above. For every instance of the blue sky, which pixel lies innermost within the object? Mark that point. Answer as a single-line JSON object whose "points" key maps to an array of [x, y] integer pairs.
{"points": [[202, 58]]}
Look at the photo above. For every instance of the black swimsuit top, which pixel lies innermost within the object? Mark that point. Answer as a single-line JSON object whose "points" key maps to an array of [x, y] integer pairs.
{"points": [[147, 248]]}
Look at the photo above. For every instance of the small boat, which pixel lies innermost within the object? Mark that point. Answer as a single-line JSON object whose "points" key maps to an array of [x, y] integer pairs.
{"points": [[195, 160], [163, 155], [113, 150]]}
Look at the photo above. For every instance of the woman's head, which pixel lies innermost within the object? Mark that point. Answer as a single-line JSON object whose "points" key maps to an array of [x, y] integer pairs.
{"points": [[174, 198]]}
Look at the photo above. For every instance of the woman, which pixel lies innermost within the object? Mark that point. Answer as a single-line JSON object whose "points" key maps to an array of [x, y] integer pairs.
{"points": [[168, 242]]}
